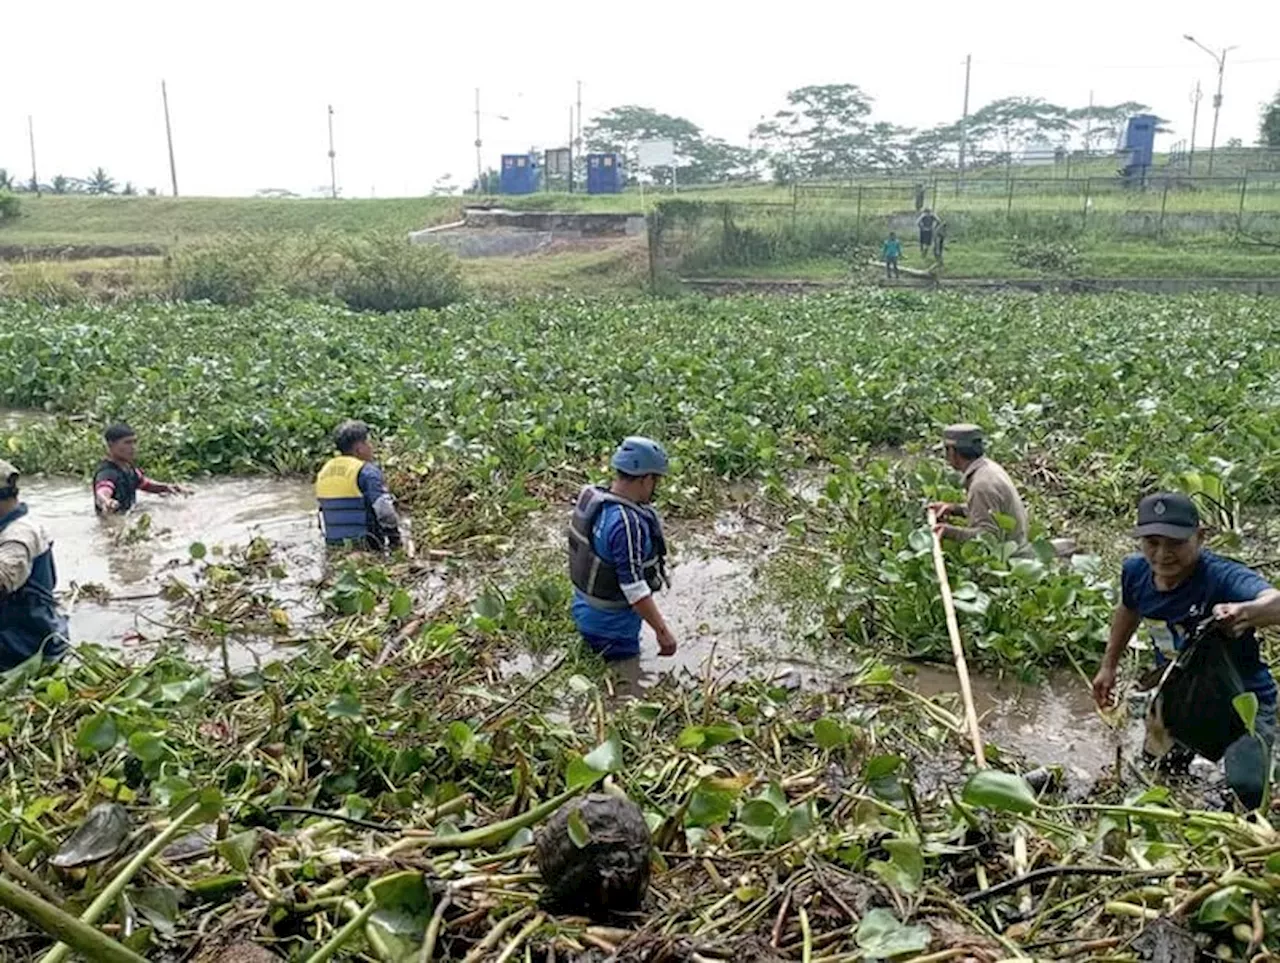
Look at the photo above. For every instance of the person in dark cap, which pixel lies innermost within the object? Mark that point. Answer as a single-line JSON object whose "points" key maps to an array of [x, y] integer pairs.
{"points": [[29, 615], [989, 491], [1175, 582], [117, 479]]}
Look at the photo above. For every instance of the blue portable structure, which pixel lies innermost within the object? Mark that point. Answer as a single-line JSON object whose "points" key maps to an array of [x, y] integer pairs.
{"points": [[604, 174], [1139, 146], [520, 174]]}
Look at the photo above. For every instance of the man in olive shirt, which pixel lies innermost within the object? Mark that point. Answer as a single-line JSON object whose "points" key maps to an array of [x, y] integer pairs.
{"points": [[988, 491]]}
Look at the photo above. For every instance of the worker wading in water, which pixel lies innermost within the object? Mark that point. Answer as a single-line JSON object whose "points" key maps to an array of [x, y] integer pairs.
{"points": [[355, 507], [617, 555], [29, 616], [118, 479], [988, 490], [1176, 581]]}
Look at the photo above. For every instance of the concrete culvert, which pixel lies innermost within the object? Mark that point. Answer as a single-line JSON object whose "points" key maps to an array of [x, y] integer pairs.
{"points": [[609, 872]]}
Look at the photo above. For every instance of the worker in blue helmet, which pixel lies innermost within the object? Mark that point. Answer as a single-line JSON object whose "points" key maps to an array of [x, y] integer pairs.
{"points": [[617, 555]]}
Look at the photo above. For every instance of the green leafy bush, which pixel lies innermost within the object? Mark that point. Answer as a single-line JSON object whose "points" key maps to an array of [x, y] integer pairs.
{"points": [[10, 206], [234, 270], [1054, 257], [382, 272], [385, 272]]}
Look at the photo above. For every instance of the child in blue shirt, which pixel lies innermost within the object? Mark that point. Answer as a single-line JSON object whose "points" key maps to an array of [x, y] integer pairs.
{"points": [[891, 251]]}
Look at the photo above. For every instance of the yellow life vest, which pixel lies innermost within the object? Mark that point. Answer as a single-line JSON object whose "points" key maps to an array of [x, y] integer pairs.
{"points": [[342, 505]]}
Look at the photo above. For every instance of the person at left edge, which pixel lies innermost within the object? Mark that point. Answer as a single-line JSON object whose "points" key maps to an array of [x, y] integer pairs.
{"points": [[118, 479], [29, 615], [355, 506], [617, 555]]}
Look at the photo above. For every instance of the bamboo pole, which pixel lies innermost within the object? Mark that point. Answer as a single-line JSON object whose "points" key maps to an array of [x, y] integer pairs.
{"points": [[957, 647], [61, 925]]}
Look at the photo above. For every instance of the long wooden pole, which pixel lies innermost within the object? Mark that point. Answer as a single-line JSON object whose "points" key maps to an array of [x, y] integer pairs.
{"points": [[957, 647]]}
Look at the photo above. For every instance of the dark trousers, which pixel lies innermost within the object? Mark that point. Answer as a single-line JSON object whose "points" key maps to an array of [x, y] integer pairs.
{"points": [[891, 267]]}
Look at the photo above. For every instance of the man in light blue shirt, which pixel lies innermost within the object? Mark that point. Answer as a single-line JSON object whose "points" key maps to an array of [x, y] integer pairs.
{"points": [[617, 555]]}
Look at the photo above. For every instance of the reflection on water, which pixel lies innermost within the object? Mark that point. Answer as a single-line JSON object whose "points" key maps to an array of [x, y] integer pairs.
{"points": [[97, 550], [1054, 723]]}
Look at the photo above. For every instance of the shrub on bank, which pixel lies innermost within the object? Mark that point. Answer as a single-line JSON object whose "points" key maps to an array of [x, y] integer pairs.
{"points": [[10, 206], [380, 272], [383, 272]]}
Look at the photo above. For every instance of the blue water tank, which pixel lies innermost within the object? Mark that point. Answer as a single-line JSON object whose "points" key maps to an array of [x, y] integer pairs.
{"points": [[1139, 144], [604, 174], [520, 173]]}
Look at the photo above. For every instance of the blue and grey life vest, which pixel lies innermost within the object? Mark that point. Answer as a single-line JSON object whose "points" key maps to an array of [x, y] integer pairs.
{"points": [[29, 617], [597, 578]]}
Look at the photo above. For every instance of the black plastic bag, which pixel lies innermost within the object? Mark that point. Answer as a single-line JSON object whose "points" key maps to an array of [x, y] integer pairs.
{"points": [[1194, 702]]}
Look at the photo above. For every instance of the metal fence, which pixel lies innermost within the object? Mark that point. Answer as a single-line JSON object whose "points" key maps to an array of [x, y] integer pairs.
{"points": [[824, 220]]}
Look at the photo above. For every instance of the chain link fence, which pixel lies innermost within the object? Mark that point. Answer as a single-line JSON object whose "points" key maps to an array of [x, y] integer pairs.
{"points": [[851, 219]]}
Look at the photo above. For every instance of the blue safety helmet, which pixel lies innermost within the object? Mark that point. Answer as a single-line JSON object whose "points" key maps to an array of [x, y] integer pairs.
{"points": [[638, 456]]}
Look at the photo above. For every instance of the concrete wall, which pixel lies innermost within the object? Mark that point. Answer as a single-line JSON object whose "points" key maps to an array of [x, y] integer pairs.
{"points": [[588, 224]]}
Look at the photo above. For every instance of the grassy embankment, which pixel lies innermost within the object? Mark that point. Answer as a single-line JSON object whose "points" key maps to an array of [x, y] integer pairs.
{"points": [[101, 227]]}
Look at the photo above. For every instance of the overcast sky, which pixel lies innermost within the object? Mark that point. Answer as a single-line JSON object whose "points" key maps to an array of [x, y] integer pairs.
{"points": [[249, 82]]}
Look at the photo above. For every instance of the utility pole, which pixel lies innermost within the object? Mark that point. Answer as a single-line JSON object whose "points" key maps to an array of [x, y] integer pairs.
{"points": [[333, 167], [571, 154], [1088, 129], [1220, 59], [1195, 120], [31, 135], [479, 166], [579, 117], [168, 134], [964, 117]]}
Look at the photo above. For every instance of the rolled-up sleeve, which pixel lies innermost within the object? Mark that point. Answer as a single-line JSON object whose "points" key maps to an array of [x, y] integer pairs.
{"points": [[627, 548], [17, 553]]}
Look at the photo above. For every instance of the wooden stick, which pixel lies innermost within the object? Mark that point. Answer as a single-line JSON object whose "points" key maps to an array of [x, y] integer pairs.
{"points": [[58, 923], [957, 647]]}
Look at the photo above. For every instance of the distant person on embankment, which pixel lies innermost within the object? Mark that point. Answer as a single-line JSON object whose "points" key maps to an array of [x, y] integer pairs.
{"points": [[1175, 581], [617, 555], [29, 616], [118, 479], [925, 224], [989, 491], [939, 239], [891, 251], [356, 508]]}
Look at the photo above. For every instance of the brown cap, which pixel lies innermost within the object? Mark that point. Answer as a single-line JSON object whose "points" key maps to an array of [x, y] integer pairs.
{"points": [[961, 434]]}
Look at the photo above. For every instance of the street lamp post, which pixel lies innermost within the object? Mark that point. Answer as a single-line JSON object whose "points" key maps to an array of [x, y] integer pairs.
{"points": [[1220, 58]]}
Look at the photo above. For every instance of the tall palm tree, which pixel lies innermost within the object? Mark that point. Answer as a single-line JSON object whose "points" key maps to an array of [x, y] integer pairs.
{"points": [[100, 183], [61, 185]]}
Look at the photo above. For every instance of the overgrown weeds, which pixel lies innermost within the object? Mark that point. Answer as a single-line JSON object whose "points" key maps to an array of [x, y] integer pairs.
{"points": [[378, 272]]}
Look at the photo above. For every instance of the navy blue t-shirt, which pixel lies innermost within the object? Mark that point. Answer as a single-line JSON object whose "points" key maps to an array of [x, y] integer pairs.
{"points": [[1214, 581]]}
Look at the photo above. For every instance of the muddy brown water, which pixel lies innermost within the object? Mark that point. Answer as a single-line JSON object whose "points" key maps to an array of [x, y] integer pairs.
{"points": [[716, 604], [727, 628], [93, 550]]}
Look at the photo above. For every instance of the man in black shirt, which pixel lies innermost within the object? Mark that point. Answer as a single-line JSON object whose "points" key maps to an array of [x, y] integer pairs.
{"points": [[926, 223], [117, 480]]}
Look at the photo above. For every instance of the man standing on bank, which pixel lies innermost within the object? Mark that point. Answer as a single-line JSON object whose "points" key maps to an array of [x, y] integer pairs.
{"points": [[617, 555], [356, 508], [925, 223], [988, 491], [118, 479], [1174, 581], [29, 616]]}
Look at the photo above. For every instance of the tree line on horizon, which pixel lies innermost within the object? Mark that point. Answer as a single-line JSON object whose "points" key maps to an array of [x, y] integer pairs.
{"points": [[828, 131]]}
